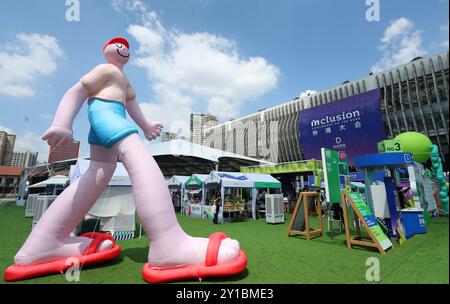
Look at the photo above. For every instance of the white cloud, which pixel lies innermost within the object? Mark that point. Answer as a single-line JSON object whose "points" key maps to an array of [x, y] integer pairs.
{"points": [[396, 29], [29, 141], [187, 70], [307, 93], [27, 58], [399, 44]]}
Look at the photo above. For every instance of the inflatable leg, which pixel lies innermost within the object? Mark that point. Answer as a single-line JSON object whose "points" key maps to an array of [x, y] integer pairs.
{"points": [[170, 246], [50, 240]]}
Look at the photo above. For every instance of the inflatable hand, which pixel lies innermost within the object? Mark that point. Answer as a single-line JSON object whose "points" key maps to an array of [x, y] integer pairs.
{"points": [[152, 130], [57, 135]]}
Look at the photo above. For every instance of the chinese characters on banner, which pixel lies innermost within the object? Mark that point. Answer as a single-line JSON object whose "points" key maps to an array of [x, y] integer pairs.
{"points": [[352, 126]]}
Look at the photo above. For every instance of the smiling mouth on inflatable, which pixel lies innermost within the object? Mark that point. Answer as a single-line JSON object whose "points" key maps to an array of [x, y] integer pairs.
{"points": [[122, 55]]}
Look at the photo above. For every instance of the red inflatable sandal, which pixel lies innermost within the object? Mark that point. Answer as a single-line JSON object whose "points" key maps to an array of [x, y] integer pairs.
{"points": [[209, 269], [90, 256]]}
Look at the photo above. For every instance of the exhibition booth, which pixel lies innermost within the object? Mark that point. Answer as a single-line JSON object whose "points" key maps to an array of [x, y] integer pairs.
{"points": [[115, 208], [177, 190], [262, 182], [382, 197], [236, 191], [196, 196]]}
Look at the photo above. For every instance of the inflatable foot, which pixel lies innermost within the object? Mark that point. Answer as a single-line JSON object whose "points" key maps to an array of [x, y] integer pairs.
{"points": [[22, 272], [209, 269]]}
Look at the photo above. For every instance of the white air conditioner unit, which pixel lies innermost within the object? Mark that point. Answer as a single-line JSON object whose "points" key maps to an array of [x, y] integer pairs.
{"points": [[41, 205], [274, 208], [30, 206]]}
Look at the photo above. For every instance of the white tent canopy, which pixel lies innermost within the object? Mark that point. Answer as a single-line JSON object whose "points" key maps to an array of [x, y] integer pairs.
{"points": [[196, 181], [120, 177], [224, 180], [221, 180], [185, 148], [115, 207], [228, 180], [177, 181], [263, 181], [54, 180], [179, 157]]}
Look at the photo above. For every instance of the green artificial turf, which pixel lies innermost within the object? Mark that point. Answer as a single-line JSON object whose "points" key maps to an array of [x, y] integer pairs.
{"points": [[272, 256]]}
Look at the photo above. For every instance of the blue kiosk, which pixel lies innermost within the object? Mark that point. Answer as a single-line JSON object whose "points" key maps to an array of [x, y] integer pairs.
{"points": [[382, 198]]}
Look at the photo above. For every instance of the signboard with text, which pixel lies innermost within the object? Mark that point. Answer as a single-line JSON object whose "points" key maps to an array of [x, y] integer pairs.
{"points": [[352, 126], [371, 220], [390, 145], [336, 175]]}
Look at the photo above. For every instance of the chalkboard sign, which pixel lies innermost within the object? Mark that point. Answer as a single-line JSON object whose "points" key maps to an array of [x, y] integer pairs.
{"points": [[299, 224]]}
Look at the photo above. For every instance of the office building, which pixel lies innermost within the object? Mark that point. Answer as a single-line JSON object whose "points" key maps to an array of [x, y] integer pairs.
{"points": [[199, 123], [24, 159], [7, 142], [60, 153]]}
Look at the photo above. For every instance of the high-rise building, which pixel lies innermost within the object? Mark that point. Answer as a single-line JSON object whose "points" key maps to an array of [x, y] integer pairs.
{"points": [[7, 142], [60, 153], [24, 159], [199, 123], [414, 97]]}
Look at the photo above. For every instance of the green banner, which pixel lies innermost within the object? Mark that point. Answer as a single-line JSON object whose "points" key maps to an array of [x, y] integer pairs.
{"points": [[271, 185], [336, 176], [370, 219]]}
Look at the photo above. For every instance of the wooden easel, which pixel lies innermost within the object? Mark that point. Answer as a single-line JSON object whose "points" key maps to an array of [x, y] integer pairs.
{"points": [[300, 226], [358, 239]]}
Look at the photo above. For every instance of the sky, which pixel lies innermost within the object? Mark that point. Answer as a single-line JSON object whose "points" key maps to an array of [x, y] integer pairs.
{"points": [[227, 57]]}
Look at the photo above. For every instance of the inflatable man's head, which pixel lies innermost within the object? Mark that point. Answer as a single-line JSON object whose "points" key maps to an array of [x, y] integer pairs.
{"points": [[117, 51]]}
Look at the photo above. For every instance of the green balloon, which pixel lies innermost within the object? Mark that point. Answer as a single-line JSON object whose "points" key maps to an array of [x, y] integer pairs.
{"points": [[417, 144]]}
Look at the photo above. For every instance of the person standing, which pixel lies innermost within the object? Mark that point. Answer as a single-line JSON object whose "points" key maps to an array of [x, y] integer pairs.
{"points": [[216, 208]]}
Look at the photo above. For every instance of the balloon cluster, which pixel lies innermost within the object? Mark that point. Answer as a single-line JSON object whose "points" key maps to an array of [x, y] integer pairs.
{"points": [[439, 172]]}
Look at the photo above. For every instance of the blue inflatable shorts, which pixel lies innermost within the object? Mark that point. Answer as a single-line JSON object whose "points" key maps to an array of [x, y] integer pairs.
{"points": [[108, 122]]}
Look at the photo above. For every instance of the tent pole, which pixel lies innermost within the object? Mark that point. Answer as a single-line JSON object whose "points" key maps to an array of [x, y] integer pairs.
{"points": [[254, 203], [203, 201]]}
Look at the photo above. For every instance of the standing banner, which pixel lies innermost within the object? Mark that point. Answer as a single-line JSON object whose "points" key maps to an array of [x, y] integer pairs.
{"points": [[352, 126], [368, 220], [336, 175], [300, 224]]}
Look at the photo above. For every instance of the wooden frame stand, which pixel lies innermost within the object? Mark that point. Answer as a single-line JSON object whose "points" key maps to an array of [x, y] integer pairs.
{"points": [[358, 239], [299, 224]]}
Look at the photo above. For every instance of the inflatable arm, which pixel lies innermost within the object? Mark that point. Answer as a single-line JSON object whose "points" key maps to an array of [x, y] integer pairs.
{"points": [[60, 131], [151, 129]]}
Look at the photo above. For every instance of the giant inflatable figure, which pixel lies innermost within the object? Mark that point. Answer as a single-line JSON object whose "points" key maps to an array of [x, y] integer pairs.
{"points": [[173, 254]]}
